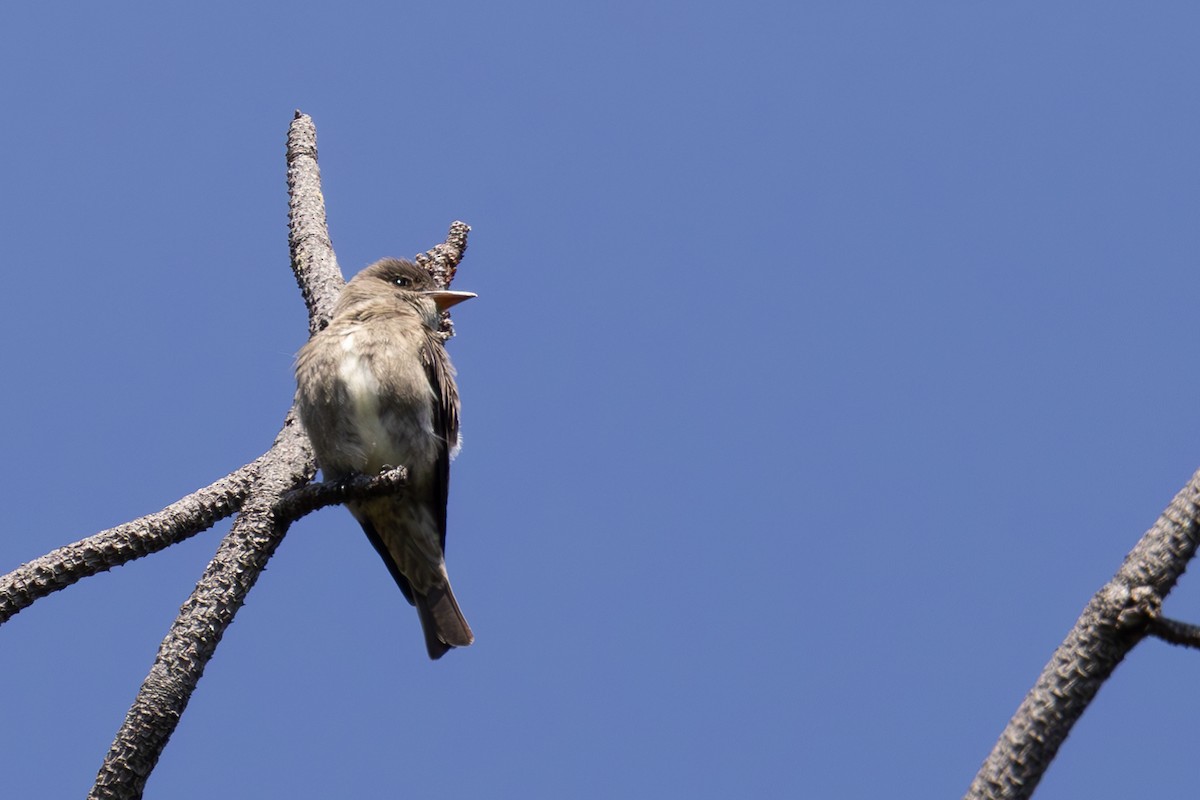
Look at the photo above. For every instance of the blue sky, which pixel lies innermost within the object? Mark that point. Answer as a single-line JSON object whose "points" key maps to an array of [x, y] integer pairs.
{"points": [[827, 358]]}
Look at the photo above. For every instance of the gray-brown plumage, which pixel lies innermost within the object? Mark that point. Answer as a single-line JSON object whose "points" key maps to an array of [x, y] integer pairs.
{"points": [[376, 389]]}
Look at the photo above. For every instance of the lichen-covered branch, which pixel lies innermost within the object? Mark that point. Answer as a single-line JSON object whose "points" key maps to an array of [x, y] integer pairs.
{"points": [[184, 518], [1116, 619]]}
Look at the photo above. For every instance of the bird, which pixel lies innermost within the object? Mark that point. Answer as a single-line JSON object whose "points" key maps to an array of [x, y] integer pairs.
{"points": [[375, 390]]}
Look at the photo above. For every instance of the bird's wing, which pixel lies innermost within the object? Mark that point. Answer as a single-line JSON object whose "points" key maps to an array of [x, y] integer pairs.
{"points": [[445, 420]]}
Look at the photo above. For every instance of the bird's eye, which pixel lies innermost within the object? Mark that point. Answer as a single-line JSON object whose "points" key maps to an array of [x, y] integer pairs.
{"points": [[404, 282]]}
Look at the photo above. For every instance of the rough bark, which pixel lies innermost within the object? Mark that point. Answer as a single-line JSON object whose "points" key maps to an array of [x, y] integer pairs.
{"points": [[1120, 615], [256, 533], [184, 518], [203, 619], [313, 261]]}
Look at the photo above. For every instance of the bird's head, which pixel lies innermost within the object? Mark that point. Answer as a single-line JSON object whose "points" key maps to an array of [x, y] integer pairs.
{"points": [[395, 279]]}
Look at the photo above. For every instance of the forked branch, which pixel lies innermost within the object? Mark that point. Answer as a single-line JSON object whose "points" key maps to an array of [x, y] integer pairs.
{"points": [[279, 492]]}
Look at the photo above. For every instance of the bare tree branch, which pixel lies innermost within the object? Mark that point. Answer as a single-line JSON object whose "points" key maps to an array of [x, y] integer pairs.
{"points": [[244, 552], [181, 520], [277, 495], [441, 262], [278, 492], [1117, 618], [1175, 632], [202, 620], [313, 261], [307, 499]]}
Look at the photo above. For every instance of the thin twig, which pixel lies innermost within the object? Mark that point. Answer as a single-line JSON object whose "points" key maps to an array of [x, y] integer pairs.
{"points": [[1175, 632], [307, 499]]}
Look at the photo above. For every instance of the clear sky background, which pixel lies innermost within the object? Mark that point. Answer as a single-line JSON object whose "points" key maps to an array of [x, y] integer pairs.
{"points": [[827, 358]]}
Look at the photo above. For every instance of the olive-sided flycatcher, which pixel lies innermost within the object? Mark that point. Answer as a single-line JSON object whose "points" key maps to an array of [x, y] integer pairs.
{"points": [[376, 390]]}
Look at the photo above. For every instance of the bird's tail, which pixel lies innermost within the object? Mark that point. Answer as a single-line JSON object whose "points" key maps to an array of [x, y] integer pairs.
{"points": [[442, 620]]}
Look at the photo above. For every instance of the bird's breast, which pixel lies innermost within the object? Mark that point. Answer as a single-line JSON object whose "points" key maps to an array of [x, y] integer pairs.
{"points": [[387, 405]]}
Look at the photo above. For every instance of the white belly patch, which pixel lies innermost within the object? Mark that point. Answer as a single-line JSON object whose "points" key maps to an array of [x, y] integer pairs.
{"points": [[381, 446], [362, 389]]}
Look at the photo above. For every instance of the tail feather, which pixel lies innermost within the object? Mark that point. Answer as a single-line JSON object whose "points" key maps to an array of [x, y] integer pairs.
{"points": [[442, 621]]}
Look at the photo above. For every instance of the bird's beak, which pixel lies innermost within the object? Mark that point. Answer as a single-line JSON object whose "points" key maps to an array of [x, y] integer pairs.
{"points": [[444, 298]]}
